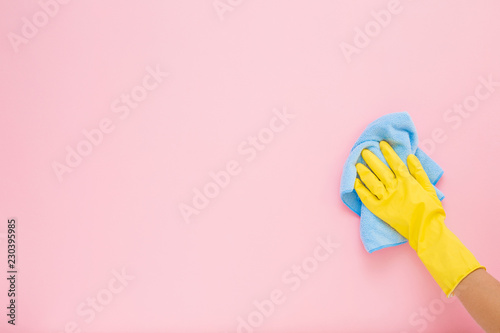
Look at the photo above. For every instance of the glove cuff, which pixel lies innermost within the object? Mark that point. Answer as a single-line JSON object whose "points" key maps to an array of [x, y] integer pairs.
{"points": [[445, 257]]}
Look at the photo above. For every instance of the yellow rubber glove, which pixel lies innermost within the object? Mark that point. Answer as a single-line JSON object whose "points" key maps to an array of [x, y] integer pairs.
{"points": [[406, 200]]}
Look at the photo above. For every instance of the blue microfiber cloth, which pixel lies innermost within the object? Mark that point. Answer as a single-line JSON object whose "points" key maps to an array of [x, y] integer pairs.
{"points": [[399, 131]]}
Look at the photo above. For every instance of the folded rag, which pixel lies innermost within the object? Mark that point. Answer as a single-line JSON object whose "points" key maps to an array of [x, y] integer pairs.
{"points": [[399, 131]]}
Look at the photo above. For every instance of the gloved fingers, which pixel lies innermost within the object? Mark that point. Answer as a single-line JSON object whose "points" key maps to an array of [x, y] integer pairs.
{"points": [[378, 167], [371, 181], [367, 197], [420, 175], [397, 166]]}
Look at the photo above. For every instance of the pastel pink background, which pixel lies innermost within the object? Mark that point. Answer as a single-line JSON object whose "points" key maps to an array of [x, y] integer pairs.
{"points": [[120, 207]]}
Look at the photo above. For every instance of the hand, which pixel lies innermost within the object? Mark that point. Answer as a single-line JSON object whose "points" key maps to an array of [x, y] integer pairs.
{"points": [[407, 201], [400, 197]]}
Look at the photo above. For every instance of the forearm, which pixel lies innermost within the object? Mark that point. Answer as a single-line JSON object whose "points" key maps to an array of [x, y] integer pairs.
{"points": [[479, 292]]}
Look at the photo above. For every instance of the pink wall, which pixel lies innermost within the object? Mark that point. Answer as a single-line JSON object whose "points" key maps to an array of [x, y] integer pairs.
{"points": [[269, 96]]}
